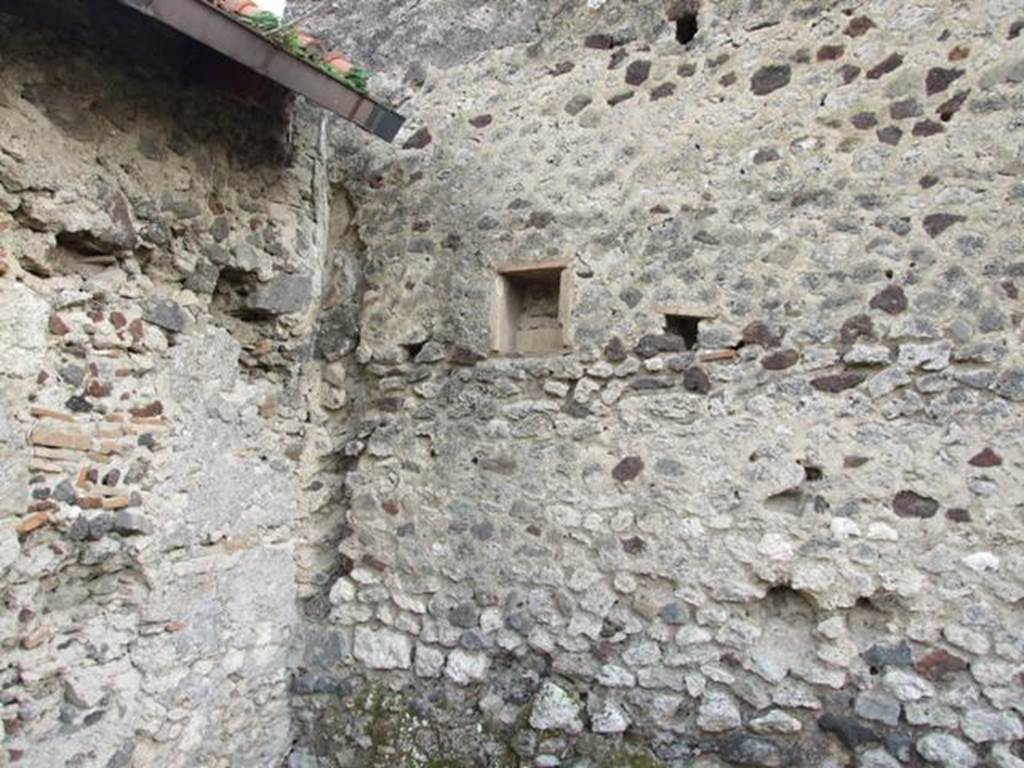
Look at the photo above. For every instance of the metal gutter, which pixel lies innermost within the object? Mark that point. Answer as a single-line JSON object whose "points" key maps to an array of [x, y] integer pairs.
{"points": [[221, 32]]}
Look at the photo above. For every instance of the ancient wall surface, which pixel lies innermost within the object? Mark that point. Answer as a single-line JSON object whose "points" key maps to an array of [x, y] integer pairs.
{"points": [[796, 543], [151, 417], [268, 495]]}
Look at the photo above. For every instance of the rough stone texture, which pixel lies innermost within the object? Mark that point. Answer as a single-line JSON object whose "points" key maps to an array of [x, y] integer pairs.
{"points": [[946, 751], [342, 533], [151, 611], [555, 710]]}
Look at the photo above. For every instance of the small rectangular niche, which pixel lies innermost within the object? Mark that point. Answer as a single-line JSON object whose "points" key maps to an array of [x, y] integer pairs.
{"points": [[531, 309], [686, 327]]}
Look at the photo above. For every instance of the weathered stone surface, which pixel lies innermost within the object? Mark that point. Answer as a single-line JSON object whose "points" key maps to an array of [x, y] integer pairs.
{"points": [[753, 750], [779, 361], [628, 469], [166, 314], [464, 667], [770, 78], [940, 78], [638, 71], [382, 649], [718, 712], [838, 382], [554, 709], [282, 295], [888, 64], [946, 751], [937, 223], [912, 504], [873, 705], [343, 469], [981, 725], [851, 733], [891, 300]]}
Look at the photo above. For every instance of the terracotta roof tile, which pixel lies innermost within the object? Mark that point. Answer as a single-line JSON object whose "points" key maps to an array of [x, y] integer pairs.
{"points": [[296, 42]]}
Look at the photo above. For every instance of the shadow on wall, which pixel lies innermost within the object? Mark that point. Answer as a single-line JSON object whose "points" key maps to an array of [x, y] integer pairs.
{"points": [[132, 41]]}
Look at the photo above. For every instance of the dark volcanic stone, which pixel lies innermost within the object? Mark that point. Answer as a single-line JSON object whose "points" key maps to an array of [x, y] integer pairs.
{"points": [[620, 97], [165, 314], [78, 404], [864, 121], [464, 356], [938, 79], [647, 383], [851, 733], [911, 504], [926, 128], [938, 664], [890, 300], [599, 42], [958, 515], [577, 104], [481, 121], [651, 345], [830, 52], [637, 72], [763, 156], [857, 327], [907, 108], [283, 295], [615, 350], [759, 332], [986, 458], [884, 67], [848, 73], [57, 326], [890, 135], [837, 382], [634, 546], [898, 655], [859, 26], [628, 469], [778, 361], [662, 91], [562, 68], [937, 223], [418, 140], [696, 380], [768, 79], [951, 106]]}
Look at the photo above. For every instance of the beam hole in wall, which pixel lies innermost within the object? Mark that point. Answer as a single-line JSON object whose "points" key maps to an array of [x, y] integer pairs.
{"points": [[684, 14], [531, 308], [686, 327], [413, 348]]}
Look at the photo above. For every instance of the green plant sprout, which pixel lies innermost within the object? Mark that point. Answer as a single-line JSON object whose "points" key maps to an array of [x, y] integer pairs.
{"points": [[284, 36]]}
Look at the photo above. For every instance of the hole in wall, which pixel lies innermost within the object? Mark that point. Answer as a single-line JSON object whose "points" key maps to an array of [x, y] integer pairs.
{"points": [[788, 502], [686, 327], [684, 14], [812, 473], [531, 309], [414, 348]]}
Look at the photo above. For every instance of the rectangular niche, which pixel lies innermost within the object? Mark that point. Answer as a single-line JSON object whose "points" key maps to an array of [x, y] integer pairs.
{"points": [[531, 309], [684, 323]]}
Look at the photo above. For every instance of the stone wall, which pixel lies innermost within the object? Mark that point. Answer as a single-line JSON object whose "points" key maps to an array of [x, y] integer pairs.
{"points": [[268, 495], [792, 542], [159, 275]]}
